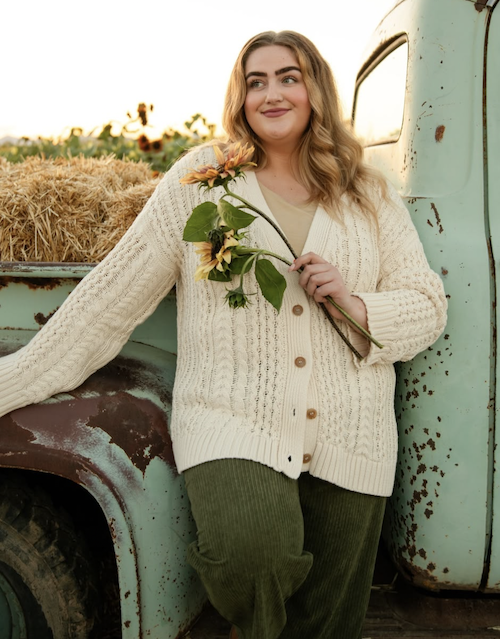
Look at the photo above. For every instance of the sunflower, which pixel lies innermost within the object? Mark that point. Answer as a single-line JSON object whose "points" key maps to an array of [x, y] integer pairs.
{"points": [[229, 166], [215, 254], [144, 143], [203, 174], [238, 158]]}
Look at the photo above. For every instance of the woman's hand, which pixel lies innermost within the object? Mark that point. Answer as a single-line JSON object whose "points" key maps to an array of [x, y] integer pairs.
{"points": [[320, 279]]}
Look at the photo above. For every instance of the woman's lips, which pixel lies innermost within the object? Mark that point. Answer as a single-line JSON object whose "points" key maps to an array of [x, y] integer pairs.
{"points": [[274, 113]]}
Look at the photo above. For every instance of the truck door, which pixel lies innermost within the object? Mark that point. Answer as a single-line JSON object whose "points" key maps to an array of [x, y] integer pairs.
{"points": [[422, 124]]}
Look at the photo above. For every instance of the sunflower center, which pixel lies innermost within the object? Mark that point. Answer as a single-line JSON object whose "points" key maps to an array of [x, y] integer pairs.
{"points": [[216, 238]]}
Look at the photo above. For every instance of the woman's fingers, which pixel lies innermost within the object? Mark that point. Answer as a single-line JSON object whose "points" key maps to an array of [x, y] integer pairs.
{"points": [[319, 278]]}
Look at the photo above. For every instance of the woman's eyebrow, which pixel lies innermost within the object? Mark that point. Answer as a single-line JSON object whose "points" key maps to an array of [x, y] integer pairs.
{"points": [[286, 70], [262, 74]]}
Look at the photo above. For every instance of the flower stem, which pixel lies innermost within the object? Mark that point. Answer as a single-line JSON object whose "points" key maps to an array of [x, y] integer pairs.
{"points": [[263, 215], [354, 322], [248, 250], [350, 319], [360, 328]]}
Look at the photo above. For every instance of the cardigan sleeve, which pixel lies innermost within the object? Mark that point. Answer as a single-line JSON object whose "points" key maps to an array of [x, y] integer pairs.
{"points": [[407, 312], [99, 315]]}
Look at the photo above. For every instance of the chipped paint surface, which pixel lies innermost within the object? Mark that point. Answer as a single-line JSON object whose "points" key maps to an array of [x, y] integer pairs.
{"points": [[439, 519]]}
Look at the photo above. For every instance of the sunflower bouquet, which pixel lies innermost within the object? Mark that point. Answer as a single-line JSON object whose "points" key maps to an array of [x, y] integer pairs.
{"points": [[217, 231]]}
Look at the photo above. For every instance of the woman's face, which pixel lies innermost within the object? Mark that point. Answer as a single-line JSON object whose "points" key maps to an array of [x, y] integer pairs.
{"points": [[276, 106]]}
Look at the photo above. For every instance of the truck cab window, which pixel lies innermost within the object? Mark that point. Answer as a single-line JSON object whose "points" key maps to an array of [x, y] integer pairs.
{"points": [[380, 97]]}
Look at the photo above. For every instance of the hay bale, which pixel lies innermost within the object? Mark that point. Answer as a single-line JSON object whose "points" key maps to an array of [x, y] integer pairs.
{"points": [[69, 210]]}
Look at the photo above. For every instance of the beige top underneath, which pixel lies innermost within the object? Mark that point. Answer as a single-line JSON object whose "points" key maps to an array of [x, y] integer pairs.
{"points": [[294, 219]]}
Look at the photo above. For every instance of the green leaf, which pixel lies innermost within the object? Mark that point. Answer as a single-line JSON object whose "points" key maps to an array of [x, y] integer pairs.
{"points": [[202, 220], [235, 218], [271, 282], [238, 265], [218, 276]]}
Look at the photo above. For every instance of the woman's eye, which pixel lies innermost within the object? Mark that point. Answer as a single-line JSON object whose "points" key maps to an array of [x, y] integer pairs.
{"points": [[289, 79], [255, 84]]}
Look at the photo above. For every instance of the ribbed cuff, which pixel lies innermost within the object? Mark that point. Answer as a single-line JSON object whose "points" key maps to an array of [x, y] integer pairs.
{"points": [[381, 313]]}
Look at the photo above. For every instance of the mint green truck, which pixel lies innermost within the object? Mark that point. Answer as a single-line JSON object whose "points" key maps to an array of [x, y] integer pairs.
{"points": [[427, 106], [94, 520]]}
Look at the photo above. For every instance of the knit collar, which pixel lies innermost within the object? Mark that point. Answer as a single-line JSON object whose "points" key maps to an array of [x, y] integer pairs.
{"points": [[250, 189]]}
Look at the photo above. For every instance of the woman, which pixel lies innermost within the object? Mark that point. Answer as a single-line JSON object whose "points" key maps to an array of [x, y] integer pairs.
{"points": [[288, 442]]}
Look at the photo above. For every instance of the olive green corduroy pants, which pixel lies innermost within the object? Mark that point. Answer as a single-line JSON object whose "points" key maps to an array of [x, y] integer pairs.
{"points": [[279, 557]]}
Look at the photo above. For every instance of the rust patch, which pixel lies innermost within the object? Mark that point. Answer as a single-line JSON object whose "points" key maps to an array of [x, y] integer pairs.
{"points": [[11, 431], [18, 448], [480, 5], [105, 401], [438, 219], [42, 319], [142, 434], [34, 283], [439, 133]]}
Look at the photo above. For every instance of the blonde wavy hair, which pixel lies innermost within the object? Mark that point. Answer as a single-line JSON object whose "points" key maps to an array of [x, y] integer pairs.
{"points": [[330, 156]]}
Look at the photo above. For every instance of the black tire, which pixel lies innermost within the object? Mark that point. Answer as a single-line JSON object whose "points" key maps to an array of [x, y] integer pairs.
{"points": [[45, 573]]}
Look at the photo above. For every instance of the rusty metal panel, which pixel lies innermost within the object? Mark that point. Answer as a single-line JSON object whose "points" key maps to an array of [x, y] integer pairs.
{"points": [[31, 294], [439, 516], [110, 435]]}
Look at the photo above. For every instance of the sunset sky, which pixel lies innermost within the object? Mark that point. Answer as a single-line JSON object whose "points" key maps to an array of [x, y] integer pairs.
{"points": [[73, 63]]}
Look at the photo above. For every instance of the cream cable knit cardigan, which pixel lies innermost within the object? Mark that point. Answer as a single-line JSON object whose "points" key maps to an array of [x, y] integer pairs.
{"points": [[246, 378]]}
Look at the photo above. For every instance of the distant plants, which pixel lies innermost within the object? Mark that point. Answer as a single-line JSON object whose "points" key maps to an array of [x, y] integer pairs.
{"points": [[131, 141]]}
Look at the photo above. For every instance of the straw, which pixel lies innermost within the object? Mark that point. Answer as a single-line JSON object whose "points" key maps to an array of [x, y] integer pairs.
{"points": [[69, 210]]}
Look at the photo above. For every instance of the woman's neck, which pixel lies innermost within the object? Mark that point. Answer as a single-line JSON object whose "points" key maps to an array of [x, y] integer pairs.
{"points": [[281, 176], [282, 162]]}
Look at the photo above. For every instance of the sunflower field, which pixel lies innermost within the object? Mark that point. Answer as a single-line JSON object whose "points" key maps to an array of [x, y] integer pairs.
{"points": [[128, 141]]}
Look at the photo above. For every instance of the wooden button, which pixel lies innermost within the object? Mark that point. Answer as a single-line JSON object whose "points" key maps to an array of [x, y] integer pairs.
{"points": [[311, 413], [297, 309], [300, 362], [307, 458]]}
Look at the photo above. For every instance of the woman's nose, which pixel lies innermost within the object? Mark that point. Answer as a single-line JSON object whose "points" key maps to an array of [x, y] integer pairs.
{"points": [[274, 92]]}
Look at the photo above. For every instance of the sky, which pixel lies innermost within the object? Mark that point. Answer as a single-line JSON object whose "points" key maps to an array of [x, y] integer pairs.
{"points": [[74, 63]]}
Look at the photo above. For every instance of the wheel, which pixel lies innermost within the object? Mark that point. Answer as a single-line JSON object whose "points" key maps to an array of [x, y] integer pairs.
{"points": [[46, 583]]}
